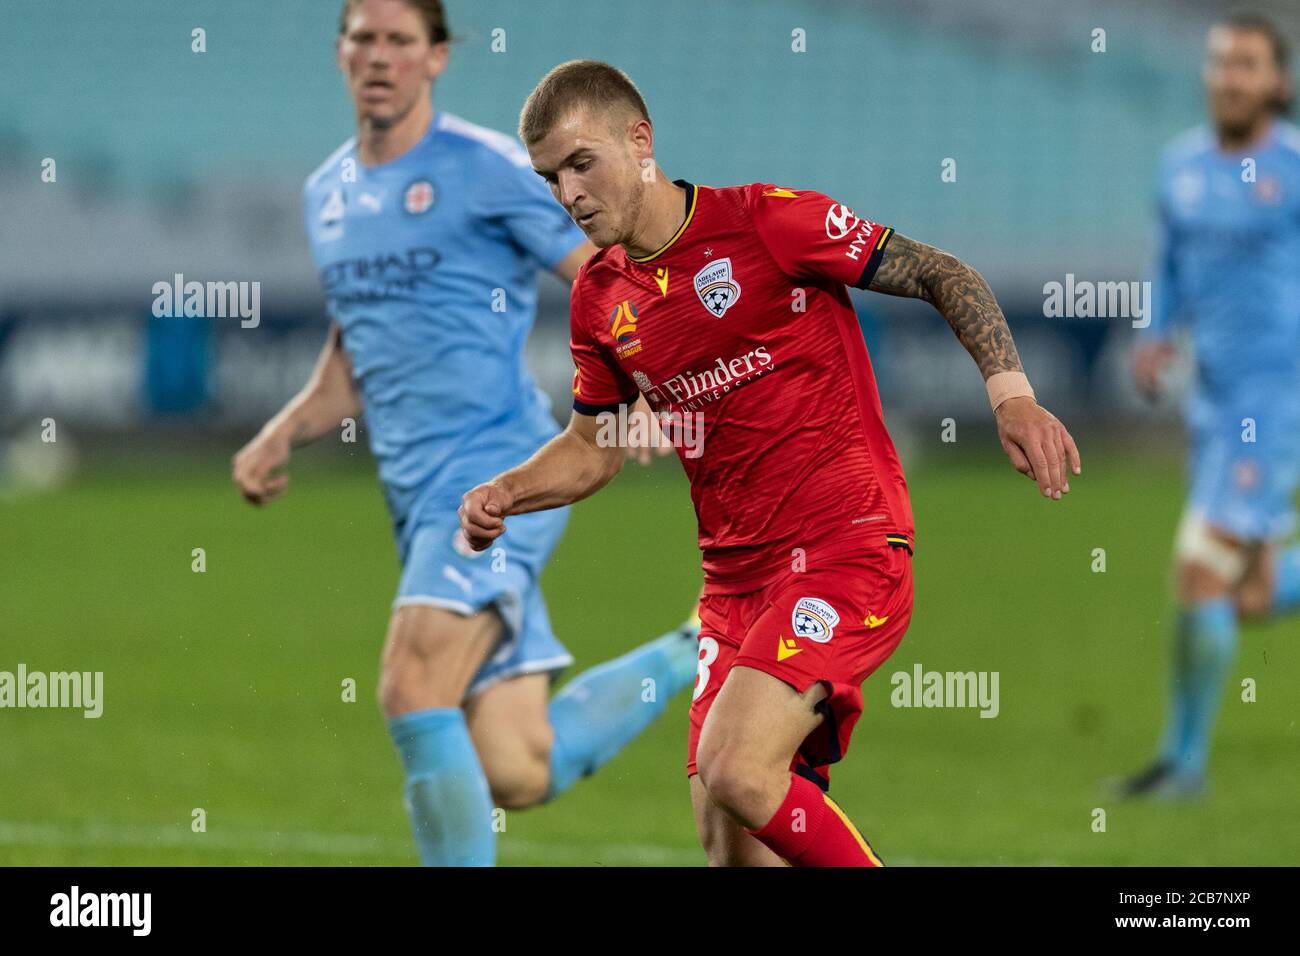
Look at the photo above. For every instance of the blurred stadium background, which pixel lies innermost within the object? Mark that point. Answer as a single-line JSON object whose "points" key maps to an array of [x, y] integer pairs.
{"points": [[223, 688]]}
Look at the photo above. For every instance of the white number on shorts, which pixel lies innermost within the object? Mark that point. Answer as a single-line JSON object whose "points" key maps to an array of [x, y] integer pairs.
{"points": [[708, 654]]}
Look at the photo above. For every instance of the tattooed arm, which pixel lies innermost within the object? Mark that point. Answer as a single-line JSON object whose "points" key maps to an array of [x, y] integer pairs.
{"points": [[1035, 441], [916, 271]]}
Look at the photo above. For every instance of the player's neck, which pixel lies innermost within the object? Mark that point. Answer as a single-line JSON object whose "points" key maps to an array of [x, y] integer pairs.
{"points": [[662, 215], [1238, 140], [377, 145]]}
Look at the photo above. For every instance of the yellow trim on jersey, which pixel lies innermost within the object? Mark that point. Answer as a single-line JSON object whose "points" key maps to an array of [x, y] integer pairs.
{"points": [[866, 847], [690, 214], [883, 236]]}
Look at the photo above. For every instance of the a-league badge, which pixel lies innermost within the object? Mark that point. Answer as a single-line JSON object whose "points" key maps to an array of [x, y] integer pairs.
{"points": [[716, 287], [418, 197], [814, 619]]}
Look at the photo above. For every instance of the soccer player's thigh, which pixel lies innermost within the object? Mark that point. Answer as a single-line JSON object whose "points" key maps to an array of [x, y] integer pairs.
{"points": [[749, 738], [1254, 594], [1209, 557], [431, 655], [441, 630], [509, 725], [794, 690], [1271, 504], [1242, 494]]}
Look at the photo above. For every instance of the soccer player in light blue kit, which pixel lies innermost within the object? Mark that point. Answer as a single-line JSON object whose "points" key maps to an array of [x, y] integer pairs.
{"points": [[428, 232], [1229, 272]]}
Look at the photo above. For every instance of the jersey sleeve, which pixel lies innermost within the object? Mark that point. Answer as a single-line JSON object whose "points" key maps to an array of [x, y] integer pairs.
{"points": [[523, 204], [599, 383], [811, 236], [1164, 304]]}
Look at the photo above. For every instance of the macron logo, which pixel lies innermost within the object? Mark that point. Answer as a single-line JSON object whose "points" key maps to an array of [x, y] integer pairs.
{"points": [[102, 909]]}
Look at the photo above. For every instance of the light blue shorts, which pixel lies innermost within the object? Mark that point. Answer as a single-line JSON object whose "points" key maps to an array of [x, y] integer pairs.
{"points": [[1246, 488], [439, 569]]}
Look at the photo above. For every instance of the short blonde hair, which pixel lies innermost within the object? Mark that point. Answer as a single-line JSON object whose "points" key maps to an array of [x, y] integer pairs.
{"points": [[579, 84]]}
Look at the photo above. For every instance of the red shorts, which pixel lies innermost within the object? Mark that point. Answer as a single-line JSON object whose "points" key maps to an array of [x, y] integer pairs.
{"points": [[835, 623]]}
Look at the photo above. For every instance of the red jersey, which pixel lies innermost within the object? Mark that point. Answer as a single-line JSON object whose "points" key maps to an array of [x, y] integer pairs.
{"points": [[741, 329]]}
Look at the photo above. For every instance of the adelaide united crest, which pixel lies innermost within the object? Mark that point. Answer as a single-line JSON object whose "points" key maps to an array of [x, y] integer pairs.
{"points": [[716, 287]]}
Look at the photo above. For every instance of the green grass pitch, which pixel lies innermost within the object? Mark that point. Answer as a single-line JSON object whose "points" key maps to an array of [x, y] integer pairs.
{"points": [[223, 689]]}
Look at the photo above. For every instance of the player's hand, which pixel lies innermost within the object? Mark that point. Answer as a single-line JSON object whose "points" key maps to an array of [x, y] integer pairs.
{"points": [[258, 467], [641, 451], [482, 514], [1038, 445], [1150, 362]]}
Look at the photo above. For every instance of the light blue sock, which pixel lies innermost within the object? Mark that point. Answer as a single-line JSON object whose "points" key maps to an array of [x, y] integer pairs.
{"points": [[446, 794], [1286, 593], [1205, 646], [602, 710]]}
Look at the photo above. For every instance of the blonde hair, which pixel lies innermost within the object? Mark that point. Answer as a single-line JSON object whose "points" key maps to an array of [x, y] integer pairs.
{"points": [[579, 84]]}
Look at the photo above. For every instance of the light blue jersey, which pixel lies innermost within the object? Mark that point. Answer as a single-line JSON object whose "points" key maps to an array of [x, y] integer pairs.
{"points": [[1228, 270], [429, 265]]}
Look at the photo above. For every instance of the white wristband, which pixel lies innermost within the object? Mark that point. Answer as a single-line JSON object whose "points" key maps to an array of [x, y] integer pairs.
{"points": [[1004, 385]]}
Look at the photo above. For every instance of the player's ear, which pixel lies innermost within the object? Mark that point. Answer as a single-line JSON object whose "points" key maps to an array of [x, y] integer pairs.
{"points": [[642, 135], [439, 55]]}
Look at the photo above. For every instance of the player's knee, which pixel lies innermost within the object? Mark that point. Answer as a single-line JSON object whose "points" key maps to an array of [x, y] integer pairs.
{"points": [[1197, 582], [398, 695], [733, 782], [406, 675], [1210, 561]]}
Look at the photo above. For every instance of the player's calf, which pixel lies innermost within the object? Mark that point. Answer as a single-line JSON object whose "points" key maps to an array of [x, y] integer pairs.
{"points": [[513, 737], [1211, 563], [725, 842], [518, 786]]}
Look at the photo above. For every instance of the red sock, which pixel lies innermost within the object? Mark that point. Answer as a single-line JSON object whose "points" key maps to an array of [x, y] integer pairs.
{"points": [[810, 830]]}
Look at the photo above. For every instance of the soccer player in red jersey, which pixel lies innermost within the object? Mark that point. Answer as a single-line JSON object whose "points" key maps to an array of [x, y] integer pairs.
{"points": [[727, 310]]}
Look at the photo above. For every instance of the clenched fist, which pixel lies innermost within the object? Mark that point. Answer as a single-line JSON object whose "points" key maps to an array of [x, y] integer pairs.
{"points": [[1151, 361], [482, 514], [258, 467]]}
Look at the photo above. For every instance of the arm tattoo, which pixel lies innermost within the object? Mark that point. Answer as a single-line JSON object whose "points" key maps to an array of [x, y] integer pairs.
{"points": [[914, 270]]}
